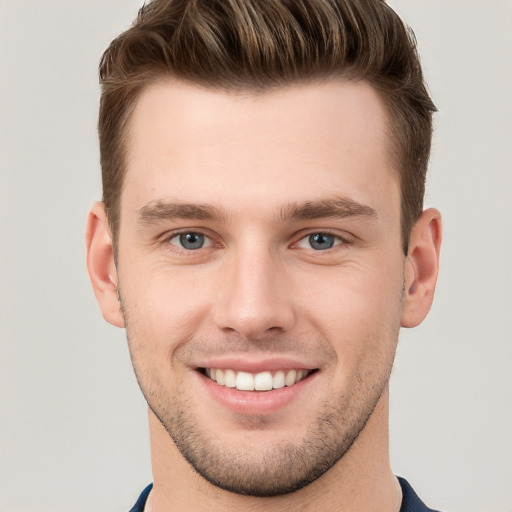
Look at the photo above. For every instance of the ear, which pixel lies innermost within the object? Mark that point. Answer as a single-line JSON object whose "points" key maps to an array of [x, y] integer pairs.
{"points": [[101, 265], [421, 268]]}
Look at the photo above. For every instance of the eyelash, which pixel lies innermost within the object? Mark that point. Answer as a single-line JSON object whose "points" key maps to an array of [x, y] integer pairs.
{"points": [[167, 240], [175, 247], [338, 238]]}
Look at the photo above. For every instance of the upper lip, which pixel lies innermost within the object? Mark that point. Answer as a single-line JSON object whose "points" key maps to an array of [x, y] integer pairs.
{"points": [[255, 366]]}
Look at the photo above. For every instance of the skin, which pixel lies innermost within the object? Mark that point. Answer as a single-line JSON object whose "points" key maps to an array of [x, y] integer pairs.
{"points": [[247, 166]]}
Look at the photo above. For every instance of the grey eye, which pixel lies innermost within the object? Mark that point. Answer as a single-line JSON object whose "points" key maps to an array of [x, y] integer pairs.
{"points": [[321, 241], [190, 241]]}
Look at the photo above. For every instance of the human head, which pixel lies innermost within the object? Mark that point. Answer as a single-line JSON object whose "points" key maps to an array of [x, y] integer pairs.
{"points": [[260, 235], [254, 46]]}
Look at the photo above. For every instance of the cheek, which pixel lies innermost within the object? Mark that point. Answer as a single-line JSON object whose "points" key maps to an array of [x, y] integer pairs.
{"points": [[157, 324], [358, 312], [163, 307]]}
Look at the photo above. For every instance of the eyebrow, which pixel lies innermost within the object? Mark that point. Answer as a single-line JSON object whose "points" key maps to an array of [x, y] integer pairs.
{"points": [[158, 211], [335, 208]]}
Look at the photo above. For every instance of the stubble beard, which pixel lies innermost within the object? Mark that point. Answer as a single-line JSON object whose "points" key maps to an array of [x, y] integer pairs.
{"points": [[278, 468]]}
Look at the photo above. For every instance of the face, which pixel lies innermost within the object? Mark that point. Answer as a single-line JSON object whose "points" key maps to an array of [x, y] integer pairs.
{"points": [[261, 274]]}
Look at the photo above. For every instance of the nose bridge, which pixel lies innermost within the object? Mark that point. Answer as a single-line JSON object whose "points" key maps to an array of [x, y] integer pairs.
{"points": [[253, 297]]}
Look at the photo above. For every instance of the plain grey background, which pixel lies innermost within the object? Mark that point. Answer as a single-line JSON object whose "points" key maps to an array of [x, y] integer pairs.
{"points": [[73, 434]]}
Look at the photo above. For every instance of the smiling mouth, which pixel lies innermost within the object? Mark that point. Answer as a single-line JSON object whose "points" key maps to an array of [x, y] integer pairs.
{"points": [[263, 381]]}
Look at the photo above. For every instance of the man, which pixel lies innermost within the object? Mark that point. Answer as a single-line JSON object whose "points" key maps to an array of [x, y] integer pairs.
{"points": [[262, 240]]}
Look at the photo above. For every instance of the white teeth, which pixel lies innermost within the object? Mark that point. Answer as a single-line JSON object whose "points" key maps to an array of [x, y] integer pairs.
{"points": [[278, 381], [263, 381], [219, 377], [230, 378], [244, 381], [290, 378]]}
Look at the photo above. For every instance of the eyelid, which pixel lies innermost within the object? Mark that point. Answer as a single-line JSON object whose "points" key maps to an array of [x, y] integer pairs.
{"points": [[345, 237], [165, 240], [338, 239], [208, 240]]}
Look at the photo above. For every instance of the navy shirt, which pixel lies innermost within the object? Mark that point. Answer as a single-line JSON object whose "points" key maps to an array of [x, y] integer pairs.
{"points": [[410, 500]]}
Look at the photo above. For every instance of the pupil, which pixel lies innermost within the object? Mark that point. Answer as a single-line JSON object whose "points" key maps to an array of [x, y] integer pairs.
{"points": [[321, 241], [192, 240]]}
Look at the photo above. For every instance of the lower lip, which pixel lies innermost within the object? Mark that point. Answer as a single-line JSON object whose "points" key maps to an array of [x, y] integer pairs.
{"points": [[256, 402]]}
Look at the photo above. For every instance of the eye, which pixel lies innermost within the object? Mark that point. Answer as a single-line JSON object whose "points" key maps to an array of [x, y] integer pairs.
{"points": [[190, 240], [319, 241]]}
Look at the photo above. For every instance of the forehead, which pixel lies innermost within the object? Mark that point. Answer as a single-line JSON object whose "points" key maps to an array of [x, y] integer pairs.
{"points": [[295, 143]]}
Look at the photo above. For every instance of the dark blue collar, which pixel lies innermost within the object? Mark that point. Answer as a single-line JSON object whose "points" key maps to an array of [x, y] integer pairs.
{"points": [[141, 502], [410, 500]]}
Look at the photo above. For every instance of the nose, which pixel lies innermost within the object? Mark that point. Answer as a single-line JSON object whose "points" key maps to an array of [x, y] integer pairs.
{"points": [[254, 297]]}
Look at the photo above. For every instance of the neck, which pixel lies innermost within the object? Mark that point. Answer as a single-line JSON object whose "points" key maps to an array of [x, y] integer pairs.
{"points": [[361, 481]]}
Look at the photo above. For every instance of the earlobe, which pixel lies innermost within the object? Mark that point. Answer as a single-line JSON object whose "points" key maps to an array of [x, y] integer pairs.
{"points": [[421, 268], [101, 265]]}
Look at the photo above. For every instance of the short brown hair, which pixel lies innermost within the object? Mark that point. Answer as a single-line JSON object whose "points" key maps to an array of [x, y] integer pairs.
{"points": [[257, 45]]}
